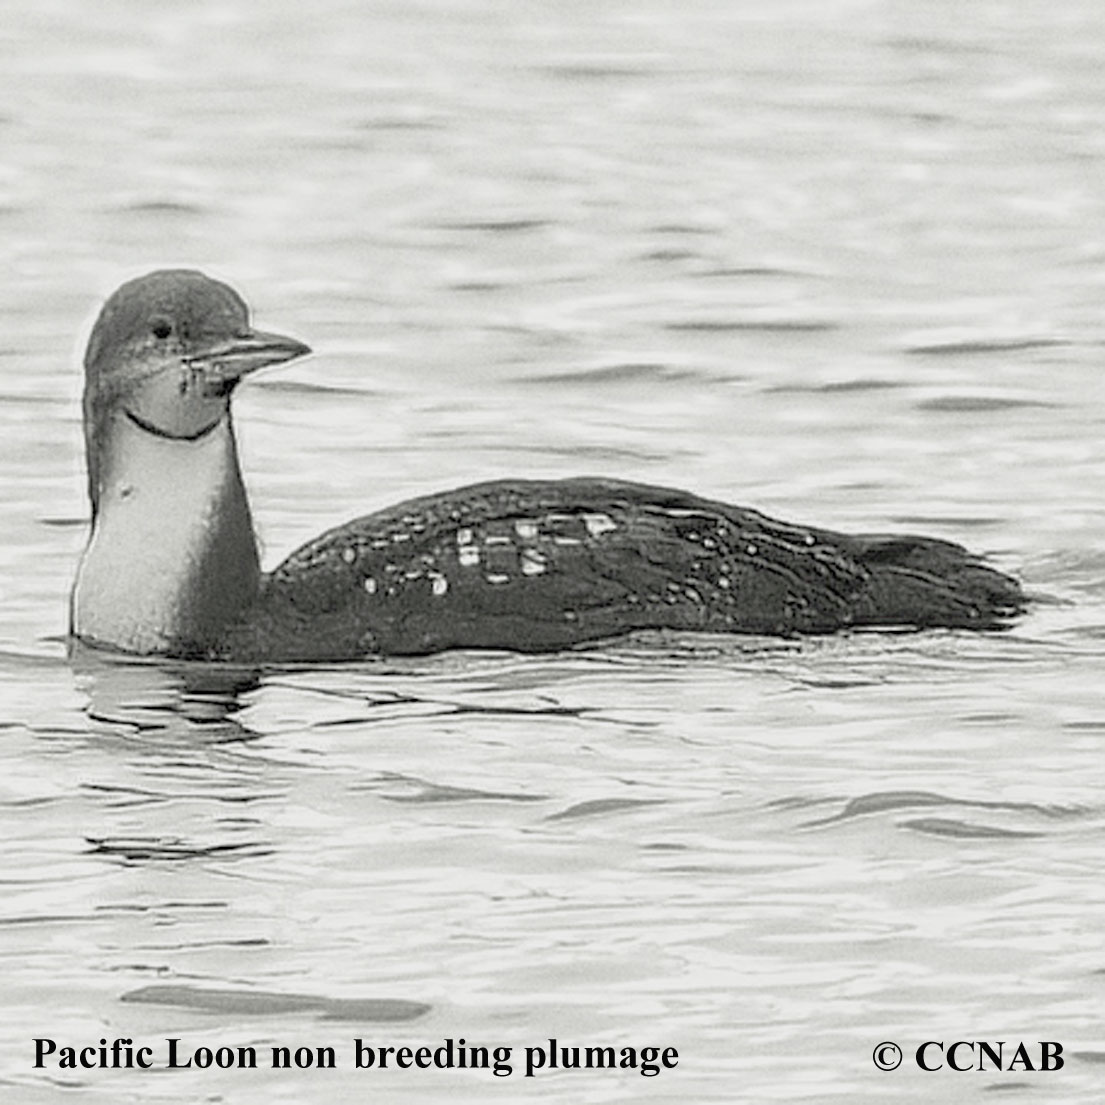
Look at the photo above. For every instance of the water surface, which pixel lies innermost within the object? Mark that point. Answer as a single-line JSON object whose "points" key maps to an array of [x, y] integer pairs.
{"points": [[840, 261]]}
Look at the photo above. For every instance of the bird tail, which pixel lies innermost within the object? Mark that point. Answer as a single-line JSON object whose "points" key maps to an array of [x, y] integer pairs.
{"points": [[921, 581]]}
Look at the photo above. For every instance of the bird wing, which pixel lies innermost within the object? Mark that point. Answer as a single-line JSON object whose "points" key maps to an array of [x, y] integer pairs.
{"points": [[532, 565]]}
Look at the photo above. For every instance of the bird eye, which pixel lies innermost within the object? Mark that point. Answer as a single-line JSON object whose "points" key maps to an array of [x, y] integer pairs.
{"points": [[161, 328]]}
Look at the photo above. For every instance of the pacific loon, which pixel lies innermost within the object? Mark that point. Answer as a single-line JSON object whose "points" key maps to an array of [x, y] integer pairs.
{"points": [[172, 567]]}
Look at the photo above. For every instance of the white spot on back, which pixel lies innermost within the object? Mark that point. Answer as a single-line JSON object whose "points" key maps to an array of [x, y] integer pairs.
{"points": [[598, 524], [439, 584], [533, 563], [370, 585], [349, 554], [464, 536]]}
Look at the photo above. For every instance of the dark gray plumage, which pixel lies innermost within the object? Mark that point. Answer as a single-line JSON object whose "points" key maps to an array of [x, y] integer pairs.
{"points": [[515, 564]]}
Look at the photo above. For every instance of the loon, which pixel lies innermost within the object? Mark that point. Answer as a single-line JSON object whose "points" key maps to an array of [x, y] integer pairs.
{"points": [[172, 568]]}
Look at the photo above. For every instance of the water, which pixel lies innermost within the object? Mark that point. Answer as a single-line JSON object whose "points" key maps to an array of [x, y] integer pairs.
{"points": [[841, 261]]}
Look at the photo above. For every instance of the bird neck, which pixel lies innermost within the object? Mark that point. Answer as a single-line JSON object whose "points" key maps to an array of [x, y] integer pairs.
{"points": [[172, 557]]}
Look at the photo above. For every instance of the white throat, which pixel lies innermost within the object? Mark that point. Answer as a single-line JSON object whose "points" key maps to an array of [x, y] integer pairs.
{"points": [[171, 557]]}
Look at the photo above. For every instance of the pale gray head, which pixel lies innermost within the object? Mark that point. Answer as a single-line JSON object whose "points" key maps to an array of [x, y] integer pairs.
{"points": [[166, 353]]}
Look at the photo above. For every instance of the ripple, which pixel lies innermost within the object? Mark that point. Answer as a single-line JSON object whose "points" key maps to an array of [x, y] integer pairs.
{"points": [[965, 404], [597, 807], [976, 346], [951, 521], [752, 325], [670, 255], [399, 123], [834, 387], [892, 801], [769, 271], [629, 372], [678, 228], [63, 523], [304, 387], [141, 850], [272, 1003], [597, 71], [496, 226], [944, 826], [424, 791], [163, 207]]}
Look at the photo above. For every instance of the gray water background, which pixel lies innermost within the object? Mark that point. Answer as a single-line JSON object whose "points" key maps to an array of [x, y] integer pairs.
{"points": [[842, 261]]}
